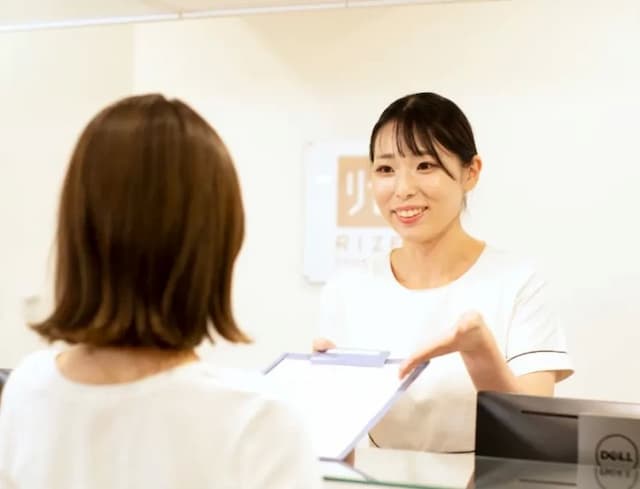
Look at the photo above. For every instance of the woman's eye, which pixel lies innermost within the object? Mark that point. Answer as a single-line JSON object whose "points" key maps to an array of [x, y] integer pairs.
{"points": [[384, 169], [426, 165]]}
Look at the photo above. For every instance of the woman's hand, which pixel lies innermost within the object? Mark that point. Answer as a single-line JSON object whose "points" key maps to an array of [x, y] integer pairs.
{"points": [[470, 335], [322, 345], [485, 363]]}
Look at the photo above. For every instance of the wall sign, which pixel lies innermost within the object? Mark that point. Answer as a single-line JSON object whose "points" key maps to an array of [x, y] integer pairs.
{"points": [[342, 222]]}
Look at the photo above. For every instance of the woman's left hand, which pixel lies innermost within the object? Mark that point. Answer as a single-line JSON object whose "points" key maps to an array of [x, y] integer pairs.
{"points": [[470, 335], [483, 359]]}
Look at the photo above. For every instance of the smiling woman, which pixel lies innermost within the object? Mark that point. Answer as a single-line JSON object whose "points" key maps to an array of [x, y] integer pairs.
{"points": [[426, 142], [478, 313]]}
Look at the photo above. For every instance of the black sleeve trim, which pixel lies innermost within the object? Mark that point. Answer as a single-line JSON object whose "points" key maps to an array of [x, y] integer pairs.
{"points": [[535, 351]]}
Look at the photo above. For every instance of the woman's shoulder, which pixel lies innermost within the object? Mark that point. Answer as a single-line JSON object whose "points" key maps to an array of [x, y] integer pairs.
{"points": [[35, 364], [250, 397], [509, 270], [248, 387], [33, 371], [499, 260]]}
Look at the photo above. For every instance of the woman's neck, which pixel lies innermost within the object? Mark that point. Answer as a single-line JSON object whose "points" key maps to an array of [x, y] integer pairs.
{"points": [[437, 262], [113, 365]]}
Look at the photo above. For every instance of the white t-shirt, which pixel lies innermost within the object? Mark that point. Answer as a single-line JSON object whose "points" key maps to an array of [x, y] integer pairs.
{"points": [[193, 426], [366, 307]]}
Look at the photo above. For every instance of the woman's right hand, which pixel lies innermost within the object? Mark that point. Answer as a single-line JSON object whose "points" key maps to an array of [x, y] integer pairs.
{"points": [[322, 345]]}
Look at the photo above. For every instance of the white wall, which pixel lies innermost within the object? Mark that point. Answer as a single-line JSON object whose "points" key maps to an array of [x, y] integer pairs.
{"points": [[549, 86], [51, 83]]}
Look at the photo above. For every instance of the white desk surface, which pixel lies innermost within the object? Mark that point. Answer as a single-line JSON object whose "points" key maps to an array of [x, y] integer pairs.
{"points": [[419, 468]]}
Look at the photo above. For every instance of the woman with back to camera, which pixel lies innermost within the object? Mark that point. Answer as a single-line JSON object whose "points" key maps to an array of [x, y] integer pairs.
{"points": [[443, 291], [149, 227]]}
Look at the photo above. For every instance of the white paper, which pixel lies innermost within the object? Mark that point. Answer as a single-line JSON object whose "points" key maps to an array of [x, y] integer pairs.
{"points": [[338, 402]]}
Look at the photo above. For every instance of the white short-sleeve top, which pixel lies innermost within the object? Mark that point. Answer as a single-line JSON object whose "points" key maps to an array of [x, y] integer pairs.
{"points": [[193, 426], [366, 307]]}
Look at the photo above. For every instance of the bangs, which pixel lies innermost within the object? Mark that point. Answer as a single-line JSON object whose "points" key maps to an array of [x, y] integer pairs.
{"points": [[414, 137]]}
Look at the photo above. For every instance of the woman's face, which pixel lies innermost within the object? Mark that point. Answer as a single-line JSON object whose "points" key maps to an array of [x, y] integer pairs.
{"points": [[413, 192]]}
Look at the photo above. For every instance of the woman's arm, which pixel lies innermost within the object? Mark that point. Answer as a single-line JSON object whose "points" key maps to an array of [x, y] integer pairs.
{"points": [[489, 371]]}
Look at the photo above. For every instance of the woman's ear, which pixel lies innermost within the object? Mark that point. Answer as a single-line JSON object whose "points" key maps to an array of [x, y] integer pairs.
{"points": [[472, 173]]}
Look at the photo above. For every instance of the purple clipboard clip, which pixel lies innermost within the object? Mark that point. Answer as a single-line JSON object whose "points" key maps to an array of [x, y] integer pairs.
{"points": [[351, 357]]}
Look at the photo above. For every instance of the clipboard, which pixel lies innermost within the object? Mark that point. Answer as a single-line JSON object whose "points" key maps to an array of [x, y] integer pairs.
{"points": [[342, 394]]}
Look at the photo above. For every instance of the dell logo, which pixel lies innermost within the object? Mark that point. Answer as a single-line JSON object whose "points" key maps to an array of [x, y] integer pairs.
{"points": [[604, 455], [617, 451]]}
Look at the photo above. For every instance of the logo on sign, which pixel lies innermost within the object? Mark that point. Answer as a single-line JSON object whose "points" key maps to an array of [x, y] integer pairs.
{"points": [[361, 230], [617, 451], [343, 224], [356, 206]]}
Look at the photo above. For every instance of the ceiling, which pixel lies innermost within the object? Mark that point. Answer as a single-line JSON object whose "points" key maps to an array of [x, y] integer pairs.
{"points": [[17, 15]]}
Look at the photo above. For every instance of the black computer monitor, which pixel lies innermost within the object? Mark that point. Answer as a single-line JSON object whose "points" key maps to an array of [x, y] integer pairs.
{"points": [[536, 428]]}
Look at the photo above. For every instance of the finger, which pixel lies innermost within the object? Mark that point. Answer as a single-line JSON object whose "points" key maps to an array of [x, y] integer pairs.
{"points": [[322, 345], [442, 347]]}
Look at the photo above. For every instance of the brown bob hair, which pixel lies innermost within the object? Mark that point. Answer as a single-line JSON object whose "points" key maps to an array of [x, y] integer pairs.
{"points": [[150, 224]]}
